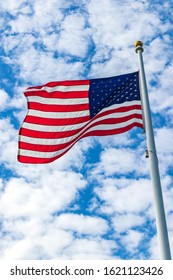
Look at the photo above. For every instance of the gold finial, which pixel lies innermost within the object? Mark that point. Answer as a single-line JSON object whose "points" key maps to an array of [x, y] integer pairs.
{"points": [[138, 44]]}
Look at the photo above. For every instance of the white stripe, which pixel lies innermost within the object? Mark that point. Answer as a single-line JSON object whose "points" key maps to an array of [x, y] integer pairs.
{"points": [[42, 154], [106, 127], [49, 128], [57, 101], [55, 128], [42, 141], [113, 126], [58, 115], [66, 115], [116, 106], [61, 88]]}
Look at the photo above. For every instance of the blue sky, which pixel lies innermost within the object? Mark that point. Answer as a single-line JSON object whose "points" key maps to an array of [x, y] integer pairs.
{"points": [[96, 201]]}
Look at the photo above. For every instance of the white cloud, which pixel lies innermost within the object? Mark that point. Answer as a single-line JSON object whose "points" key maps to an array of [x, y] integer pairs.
{"points": [[27, 215], [124, 195], [1, 184], [158, 54], [44, 246], [17, 44], [164, 143], [7, 132], [11, 6], [121, 161], [31, 197], [162, 134], [154, 248], [131, 240], [82, 224], [4, 98], [90, 249], [121, 140], [73, 38], [46, 68], [8, 141], [125, 221], [128, 19], [30, 17]]}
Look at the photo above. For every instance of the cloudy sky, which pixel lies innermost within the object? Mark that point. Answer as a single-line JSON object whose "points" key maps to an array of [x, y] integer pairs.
{"points": [[96, 201]]}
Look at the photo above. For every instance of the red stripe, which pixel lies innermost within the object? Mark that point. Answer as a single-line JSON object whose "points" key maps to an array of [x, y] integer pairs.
{"points": [[44, 148], [112, 131], [52, 148], [56, 122], [119, 110], [47, 135], [33, 160], [63, 83], [57, 108], [57, 94], [64, 134], [118, 120], [69, 121]]}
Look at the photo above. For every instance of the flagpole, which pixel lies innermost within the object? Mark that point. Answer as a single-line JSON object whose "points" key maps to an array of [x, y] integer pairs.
{"points": [[162, 232]]}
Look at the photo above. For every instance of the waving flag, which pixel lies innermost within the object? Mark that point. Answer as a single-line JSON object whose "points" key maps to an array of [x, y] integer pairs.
{"points": [[61, 113]]}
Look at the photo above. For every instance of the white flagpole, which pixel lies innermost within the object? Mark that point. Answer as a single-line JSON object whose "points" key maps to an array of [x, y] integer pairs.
{"points": [[162, 232]]}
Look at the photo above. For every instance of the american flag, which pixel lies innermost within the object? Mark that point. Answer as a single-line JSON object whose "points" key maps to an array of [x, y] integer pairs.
{"points": [[62, 113]]}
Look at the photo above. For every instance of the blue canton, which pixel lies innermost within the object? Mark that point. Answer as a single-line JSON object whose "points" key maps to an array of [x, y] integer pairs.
{"points": [[114, 90]]}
